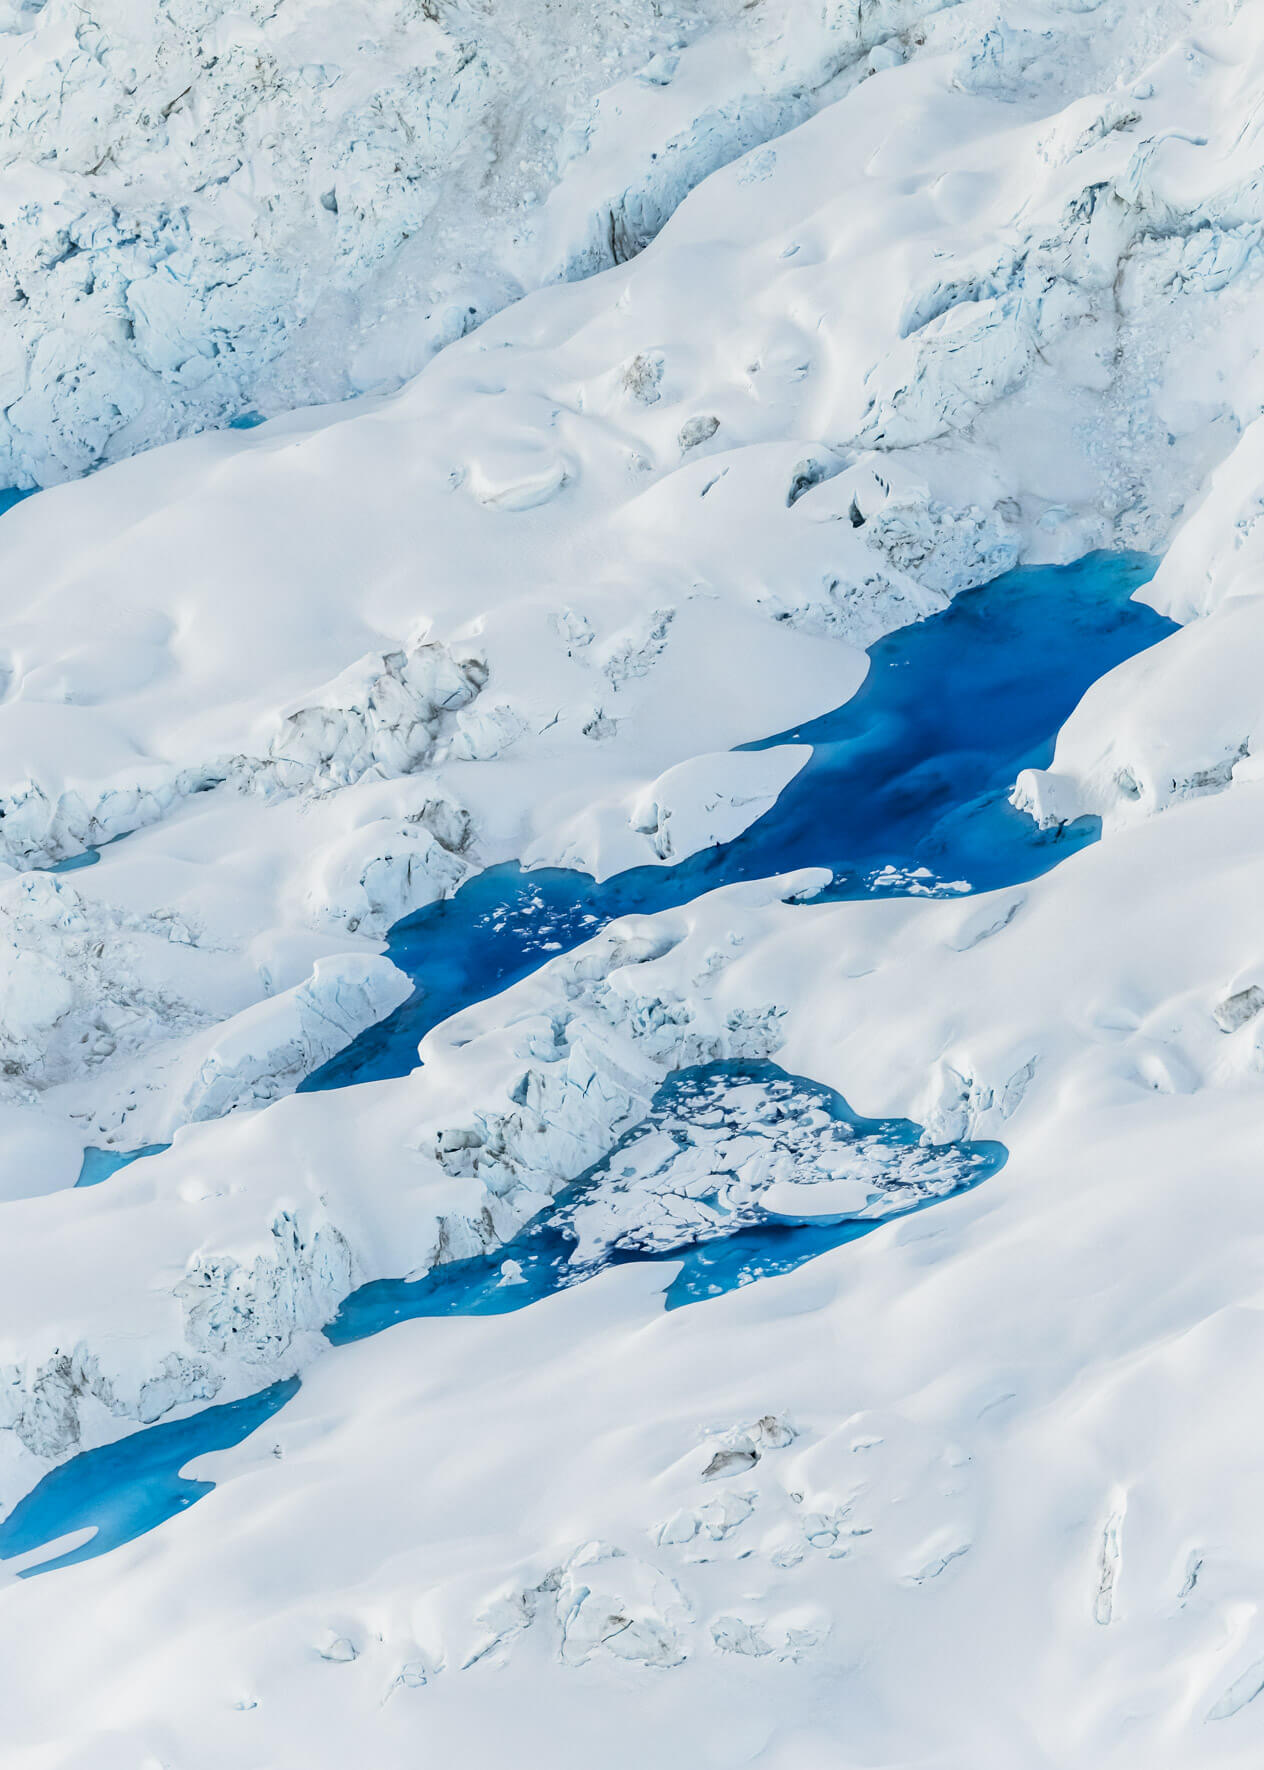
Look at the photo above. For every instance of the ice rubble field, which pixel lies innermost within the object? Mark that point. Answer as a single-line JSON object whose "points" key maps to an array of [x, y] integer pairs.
{"points": [[655, 1405]]}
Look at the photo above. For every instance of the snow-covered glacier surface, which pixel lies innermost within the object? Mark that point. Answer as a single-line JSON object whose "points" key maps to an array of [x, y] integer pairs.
{"points": [[631, 1003]]}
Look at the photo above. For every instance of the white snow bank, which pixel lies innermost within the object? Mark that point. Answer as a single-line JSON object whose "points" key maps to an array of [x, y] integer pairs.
{"points": [[693, 805], [712, 799], [1187, 718]]}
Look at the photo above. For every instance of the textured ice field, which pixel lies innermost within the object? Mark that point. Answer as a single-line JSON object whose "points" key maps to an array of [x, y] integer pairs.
{"points": [[799, 1305]]}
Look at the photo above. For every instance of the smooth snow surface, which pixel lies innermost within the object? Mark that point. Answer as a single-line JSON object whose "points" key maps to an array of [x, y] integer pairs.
{"points": [[580, 613]]}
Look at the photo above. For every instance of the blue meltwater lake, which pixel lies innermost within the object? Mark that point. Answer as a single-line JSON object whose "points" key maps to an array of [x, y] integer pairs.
{"points": [[711, 1139], [711, 1136], [907, 791], [913, 773]]}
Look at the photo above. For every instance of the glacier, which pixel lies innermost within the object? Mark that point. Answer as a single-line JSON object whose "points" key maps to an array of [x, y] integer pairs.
{"points": [[582, 587]]}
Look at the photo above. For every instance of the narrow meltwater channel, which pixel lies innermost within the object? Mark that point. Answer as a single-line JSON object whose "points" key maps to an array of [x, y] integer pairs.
{"points": [[907, 791]]}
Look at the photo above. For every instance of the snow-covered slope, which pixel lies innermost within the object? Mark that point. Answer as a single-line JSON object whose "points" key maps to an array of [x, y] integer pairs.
{"points": [[589, 510], [209, 211], [955, 286]]}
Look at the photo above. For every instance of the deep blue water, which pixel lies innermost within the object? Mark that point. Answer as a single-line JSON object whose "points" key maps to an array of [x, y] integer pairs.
{"points": [[88, 858], [99, 1164], [913, 772], [12, 496], [127, 1488]]}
